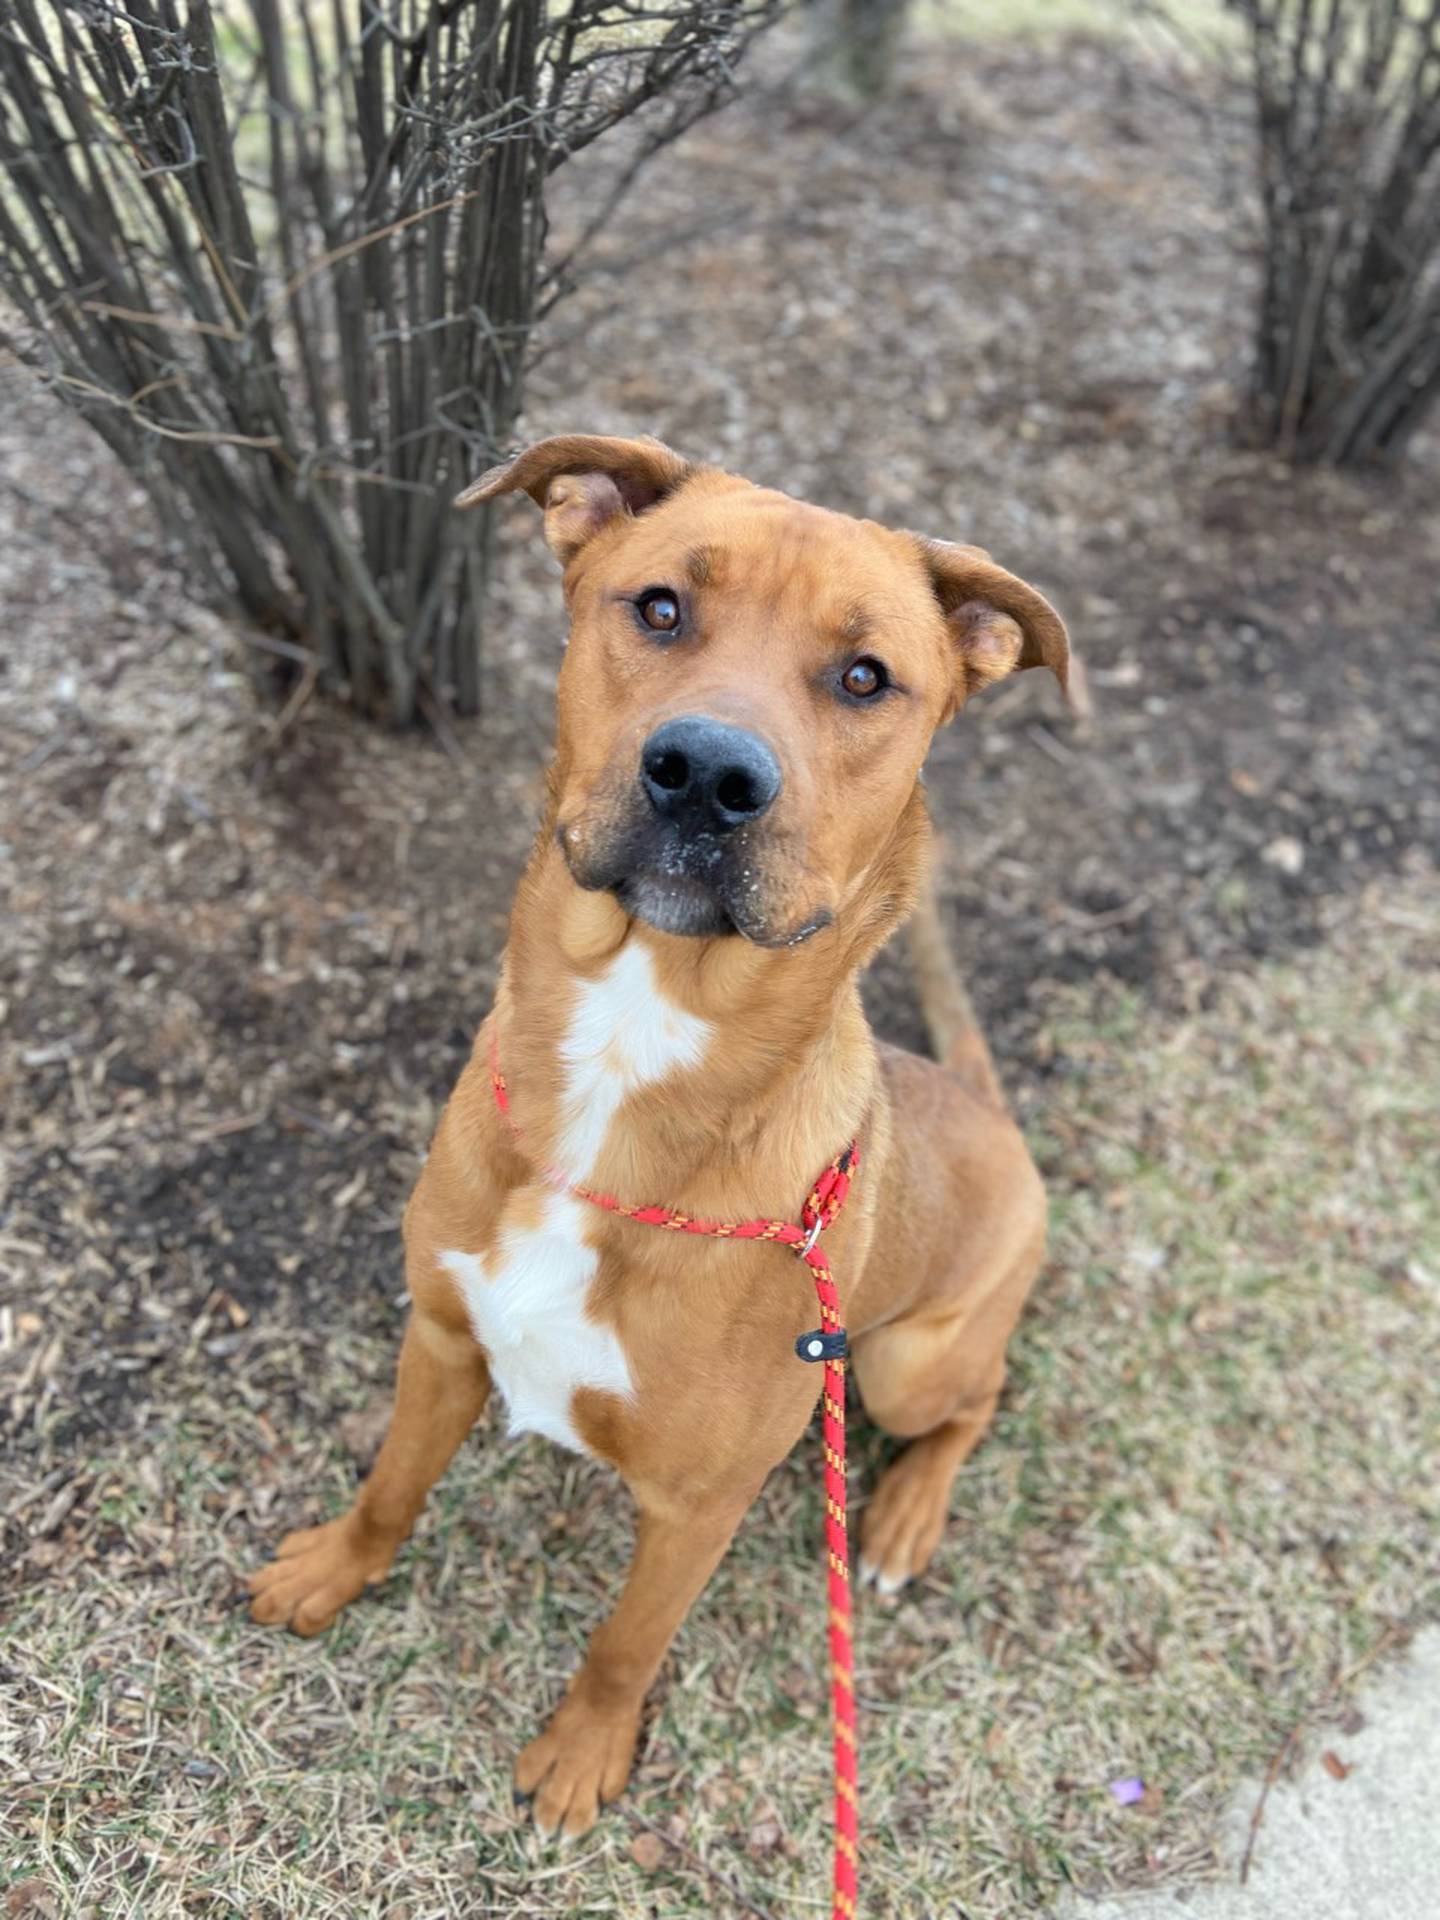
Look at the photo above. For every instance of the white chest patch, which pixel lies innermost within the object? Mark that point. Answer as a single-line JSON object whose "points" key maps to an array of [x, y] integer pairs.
{"points": [[526, 1299], [526, 1302], [624, 1035]]}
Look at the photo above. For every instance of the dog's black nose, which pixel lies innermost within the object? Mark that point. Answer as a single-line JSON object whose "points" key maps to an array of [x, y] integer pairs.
{"points": [[708, 774]]}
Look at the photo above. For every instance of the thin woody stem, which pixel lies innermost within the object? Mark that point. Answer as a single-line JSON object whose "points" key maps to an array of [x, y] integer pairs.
{"points": [[289, 273]]}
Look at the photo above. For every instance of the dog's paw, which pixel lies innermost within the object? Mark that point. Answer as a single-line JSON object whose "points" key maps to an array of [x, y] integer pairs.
{"points": [[901, 1527], [886, 1584], [580, 1761], [316, 1572]]}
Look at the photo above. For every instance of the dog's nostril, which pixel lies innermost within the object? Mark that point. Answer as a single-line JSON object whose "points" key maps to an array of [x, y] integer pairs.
{"points": [[707, 777], [670, 771], [736, 793]]}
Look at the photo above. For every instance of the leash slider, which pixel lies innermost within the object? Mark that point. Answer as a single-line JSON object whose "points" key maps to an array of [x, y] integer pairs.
{"points": [[820, 1345]]}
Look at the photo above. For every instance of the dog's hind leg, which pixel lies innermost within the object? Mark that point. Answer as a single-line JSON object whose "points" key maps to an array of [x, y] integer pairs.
{"points": [[934, 1380]]}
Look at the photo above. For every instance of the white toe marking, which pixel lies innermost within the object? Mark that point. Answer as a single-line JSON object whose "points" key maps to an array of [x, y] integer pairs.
{"points": [[873, 1576], [624, 1034], [526, 1302]]}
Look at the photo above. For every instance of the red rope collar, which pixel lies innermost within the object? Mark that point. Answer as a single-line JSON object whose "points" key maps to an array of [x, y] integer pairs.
{"points": [[824, 1201]]}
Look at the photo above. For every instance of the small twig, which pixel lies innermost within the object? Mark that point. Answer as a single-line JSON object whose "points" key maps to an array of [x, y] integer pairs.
{"points": [[337, 254], [1272, 1775], [52, 509], [171, 322], [1047, 743], [704, 1866], [1392, 1633], [232, 1123], [281, 723], [439, 722], [1120, 916], [1078, 697], [286, 649], [198, 436]]}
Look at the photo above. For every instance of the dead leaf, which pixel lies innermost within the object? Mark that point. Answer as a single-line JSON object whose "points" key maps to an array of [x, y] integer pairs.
{"points": [[222, 1302], [647, 1850], [766, 1835], [1337, 1768], [33, 1899], [362, 1430]]}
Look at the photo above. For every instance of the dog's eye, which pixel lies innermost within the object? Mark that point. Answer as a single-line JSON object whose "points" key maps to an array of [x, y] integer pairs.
{"points": [[864, 678], [659, 609]]}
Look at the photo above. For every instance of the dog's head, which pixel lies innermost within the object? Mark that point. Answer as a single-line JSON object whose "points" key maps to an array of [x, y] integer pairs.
{"points": [[751, 683]]}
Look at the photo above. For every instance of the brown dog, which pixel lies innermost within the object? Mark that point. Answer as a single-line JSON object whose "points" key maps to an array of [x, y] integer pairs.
{"points": [[734, 827]]}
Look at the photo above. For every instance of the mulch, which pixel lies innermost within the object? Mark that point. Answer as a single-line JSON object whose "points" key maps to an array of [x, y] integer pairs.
{"points": [[1007, 306]]}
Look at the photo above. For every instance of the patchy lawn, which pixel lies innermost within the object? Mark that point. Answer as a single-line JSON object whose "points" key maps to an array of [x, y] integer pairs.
{"points": [[241, 965], [1209, 1501]]}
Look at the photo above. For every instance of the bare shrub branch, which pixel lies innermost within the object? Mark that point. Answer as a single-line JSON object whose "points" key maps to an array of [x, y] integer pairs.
{"points": [[285, 257], [1347, 104]]}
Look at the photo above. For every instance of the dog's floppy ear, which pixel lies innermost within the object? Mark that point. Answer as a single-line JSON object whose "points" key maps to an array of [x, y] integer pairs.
{"points": [[583, 480], [999, 624]]}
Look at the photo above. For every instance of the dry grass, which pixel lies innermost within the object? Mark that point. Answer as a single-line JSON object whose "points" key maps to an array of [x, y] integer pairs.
{"points": [[1210, 1495], [240, 971]]}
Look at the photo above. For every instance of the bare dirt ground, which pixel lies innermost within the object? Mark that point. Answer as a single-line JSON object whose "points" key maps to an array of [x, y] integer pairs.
{"points": [[241, 968]]}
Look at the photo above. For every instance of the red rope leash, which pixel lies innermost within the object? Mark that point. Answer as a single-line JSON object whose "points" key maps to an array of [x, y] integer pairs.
{"points": [[825, 1200]]}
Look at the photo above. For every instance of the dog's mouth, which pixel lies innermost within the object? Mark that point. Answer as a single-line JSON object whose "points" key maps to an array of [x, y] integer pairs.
{"points": [[672, 904], [689, 908], [701, 886]]}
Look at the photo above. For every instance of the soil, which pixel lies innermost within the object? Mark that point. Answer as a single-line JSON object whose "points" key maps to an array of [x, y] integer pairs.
{"points": [[242, 965]]}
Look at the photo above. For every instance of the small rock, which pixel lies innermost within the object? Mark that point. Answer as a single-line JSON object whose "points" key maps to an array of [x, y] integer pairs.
{"points": [[1286, 854]]}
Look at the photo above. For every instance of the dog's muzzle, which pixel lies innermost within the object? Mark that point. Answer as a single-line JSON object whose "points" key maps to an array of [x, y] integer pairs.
{"points": [[684, 843]]}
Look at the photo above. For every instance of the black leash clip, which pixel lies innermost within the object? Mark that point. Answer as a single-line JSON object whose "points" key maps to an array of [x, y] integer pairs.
{"points": [[820, 1345]]}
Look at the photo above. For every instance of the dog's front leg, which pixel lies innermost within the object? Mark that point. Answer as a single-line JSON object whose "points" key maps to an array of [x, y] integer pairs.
{"points": [[583, 1757], [441, 1390]]}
